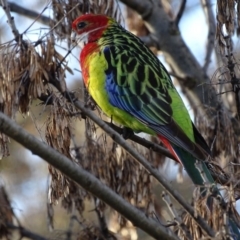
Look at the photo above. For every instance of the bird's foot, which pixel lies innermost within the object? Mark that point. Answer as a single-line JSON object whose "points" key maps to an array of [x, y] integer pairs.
{"points": [[127, 132]]}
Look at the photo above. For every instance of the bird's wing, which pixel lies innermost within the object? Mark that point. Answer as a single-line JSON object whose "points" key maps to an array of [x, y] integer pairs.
{"points": [[142, 87]]}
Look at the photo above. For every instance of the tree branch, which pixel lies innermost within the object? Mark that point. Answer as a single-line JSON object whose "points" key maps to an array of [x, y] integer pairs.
{"points": [[142, 141], [180, 12], [144, 8], [11, 22], [92, 184], [145, 143], [150, 41], [155, 173], [206, 4], [25, 233], [29, 13], [85, 179]]}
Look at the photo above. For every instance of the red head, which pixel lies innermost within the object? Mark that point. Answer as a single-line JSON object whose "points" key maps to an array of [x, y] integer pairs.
{"points": [[92, 25]]}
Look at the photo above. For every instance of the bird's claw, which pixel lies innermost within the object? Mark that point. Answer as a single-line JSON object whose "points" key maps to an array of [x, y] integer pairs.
{"points": [[127, 132]]}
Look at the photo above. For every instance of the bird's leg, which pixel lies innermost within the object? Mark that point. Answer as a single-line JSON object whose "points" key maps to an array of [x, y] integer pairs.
{"points": [[127, 132]]}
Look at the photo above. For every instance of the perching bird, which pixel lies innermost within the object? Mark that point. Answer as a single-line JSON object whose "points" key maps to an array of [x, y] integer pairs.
{"points": [[134, 89]]}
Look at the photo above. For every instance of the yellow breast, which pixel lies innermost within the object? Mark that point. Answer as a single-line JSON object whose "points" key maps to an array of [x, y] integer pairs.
{"points": [[96, 86]]}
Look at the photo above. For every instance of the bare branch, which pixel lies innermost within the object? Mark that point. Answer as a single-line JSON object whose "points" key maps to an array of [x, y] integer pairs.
{"points": [[11, 22], [218, 174], [92, 184], [206, 4], [180, 12], [175, 214], [145, 143], [144, 8], [88, 181], [155, 173], [150, 41], [29, 13], [26, 233]]}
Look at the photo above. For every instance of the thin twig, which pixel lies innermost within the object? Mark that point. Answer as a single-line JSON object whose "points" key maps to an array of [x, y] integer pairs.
{"points": [[11, 22], [180, 12], [25, 233], [206, 5], [166, 198]]}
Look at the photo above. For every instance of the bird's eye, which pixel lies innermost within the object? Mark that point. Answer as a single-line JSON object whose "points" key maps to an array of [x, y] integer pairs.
{"points": [[81, 25]]}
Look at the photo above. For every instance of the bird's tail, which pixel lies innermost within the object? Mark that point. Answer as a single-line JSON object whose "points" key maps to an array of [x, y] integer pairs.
{"points": [[189, 163], [199, 176]]}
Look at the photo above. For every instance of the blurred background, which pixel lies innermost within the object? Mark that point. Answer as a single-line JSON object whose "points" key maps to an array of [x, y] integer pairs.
{"points": [[26, 177]]}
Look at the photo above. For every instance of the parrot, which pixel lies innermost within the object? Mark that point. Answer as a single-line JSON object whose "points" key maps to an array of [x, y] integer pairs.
{"points": [[132, 87]]}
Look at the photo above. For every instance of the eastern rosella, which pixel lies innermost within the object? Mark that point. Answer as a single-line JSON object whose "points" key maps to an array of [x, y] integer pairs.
{"points": [[134, 89], [131, 86]]}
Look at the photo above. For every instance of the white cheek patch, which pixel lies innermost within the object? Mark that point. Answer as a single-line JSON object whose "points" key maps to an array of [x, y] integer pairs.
{"points": [[80, 40], [73, 37]]}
